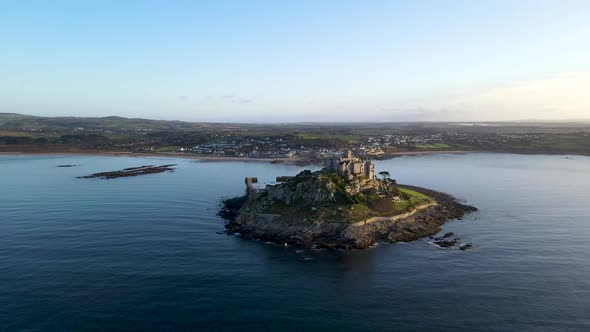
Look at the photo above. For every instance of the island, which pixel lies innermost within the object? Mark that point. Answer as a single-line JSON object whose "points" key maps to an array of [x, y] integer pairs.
{"points": [[131, 171], [343, 206]]}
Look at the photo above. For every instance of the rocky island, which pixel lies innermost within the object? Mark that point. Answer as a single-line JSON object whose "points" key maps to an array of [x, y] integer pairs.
{"points": [[131, 171], [343, 206]]}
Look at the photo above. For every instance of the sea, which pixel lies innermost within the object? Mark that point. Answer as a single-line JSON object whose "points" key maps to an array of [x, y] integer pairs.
{"points": [[149, 252]]}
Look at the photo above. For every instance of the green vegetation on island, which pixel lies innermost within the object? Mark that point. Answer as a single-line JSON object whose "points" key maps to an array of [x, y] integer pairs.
{"points": [[378, 198]]}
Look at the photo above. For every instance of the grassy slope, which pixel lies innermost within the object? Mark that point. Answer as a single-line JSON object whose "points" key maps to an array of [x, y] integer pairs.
{"points": [[340, 212], [415, 198]]}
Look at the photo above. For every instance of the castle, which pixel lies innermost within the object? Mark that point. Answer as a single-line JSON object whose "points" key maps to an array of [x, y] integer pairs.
{"points": [[351, 165]]}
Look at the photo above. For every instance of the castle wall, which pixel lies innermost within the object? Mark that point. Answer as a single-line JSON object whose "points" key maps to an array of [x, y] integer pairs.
{"points": [[357, 168], [352, 165]]}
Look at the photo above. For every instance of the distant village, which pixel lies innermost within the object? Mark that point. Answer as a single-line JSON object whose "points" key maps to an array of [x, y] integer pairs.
{"points": [[371, 147], [272, 147], [298, 142]]}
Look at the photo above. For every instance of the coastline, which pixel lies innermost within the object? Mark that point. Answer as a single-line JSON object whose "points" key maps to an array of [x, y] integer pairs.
{"points": [[418, 153], [139, 154], [298, 161]]}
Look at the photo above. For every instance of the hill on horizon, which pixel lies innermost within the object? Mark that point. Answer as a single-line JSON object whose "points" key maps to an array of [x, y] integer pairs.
{"points": [[111, 118]]}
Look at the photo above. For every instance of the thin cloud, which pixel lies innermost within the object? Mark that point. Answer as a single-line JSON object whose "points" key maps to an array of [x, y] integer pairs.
{"points": [[557, 97], [235, 99]]}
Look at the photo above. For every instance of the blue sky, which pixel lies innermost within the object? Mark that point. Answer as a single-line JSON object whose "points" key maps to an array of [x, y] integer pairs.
{"points": [[278, 61]]}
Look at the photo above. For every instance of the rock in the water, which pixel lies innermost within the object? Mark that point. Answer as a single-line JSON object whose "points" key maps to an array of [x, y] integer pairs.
{"points": [[132, 171], [444, 243], [466, 246]]}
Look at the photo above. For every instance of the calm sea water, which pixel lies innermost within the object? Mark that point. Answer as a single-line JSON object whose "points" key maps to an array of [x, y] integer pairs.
{"points": [[146, 253]]}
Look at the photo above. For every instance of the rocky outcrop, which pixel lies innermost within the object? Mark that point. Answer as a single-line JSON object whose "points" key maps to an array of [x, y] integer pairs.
{"points": [[320, 187], [304, 188], [449, 240], [131, 171], [251, 223]]}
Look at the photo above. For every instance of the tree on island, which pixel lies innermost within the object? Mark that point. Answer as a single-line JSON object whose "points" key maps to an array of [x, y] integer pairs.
{"points": [[385, 174]]}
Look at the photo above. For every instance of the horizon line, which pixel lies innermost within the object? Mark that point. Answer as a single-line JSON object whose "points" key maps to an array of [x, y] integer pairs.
{"points": [[581, 120]]}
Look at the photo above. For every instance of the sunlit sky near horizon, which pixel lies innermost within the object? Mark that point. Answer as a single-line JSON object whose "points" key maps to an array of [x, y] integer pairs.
{"points": [[282, 61]]}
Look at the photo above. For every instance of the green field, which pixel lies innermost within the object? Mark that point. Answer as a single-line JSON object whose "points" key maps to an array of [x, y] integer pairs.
{"points": [[416, 196], [433, 146], [18, 131], [415, 199]]}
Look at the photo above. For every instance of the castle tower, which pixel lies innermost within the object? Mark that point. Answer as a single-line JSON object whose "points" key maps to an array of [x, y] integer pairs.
{"points": [[370, 169], [250, 181], [331, 164]]}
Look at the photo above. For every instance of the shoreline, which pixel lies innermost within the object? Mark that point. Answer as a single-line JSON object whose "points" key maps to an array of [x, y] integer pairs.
{"points": [[298, 161], [139, 154]]}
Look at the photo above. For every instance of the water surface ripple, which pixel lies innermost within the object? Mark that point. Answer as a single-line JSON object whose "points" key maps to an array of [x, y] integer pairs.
{"points": [[146, 253]]}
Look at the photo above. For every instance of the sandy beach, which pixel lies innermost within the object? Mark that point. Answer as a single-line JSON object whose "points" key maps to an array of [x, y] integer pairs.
{"points": [[299, 161], [161, 154]]}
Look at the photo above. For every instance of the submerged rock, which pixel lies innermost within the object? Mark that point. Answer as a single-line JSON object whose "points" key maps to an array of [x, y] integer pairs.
{"points": [[466, 246], [444, 243], [447, 235]]}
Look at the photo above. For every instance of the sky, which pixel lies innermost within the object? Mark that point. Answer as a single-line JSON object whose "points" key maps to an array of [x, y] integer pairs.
{"points": [[296, 61]]}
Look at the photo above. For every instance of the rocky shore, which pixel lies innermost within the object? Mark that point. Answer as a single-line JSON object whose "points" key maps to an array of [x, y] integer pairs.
{"points": [[420, 223]]}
